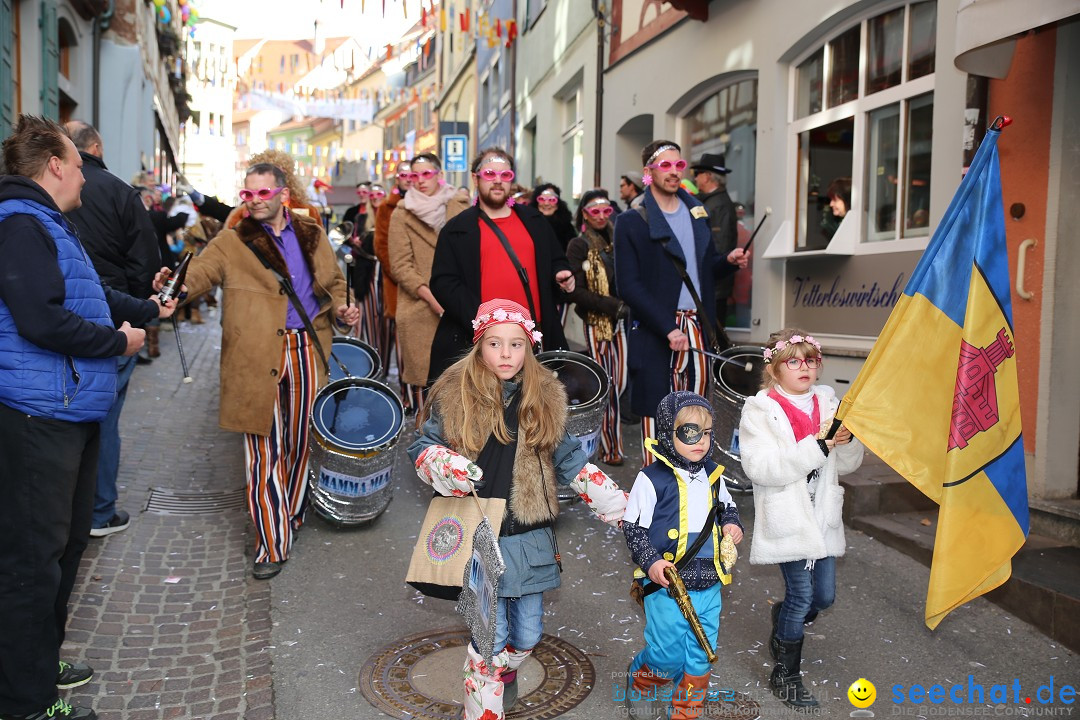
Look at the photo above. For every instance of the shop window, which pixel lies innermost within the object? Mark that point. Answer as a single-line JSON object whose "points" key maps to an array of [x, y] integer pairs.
{"points": [[865, 127], [725, 123]]}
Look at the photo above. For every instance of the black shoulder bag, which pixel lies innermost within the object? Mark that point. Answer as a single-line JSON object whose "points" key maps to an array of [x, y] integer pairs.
{"points": [[522, 274], [710, 328], [287, 286]]}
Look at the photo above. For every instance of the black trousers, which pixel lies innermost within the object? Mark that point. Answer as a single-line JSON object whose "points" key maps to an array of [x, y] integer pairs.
{"points": [[48, 472]]}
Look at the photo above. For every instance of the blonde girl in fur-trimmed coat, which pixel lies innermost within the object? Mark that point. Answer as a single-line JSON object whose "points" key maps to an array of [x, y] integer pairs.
{"points": [[798, 500], [497, 421]]}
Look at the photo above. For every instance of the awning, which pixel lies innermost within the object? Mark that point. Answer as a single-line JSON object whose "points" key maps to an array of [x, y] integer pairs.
{"points": [[986, 30]]}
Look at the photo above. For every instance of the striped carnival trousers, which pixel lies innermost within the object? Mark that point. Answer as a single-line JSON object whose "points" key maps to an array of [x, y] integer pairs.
{"points": [[277, 463], [689, 371], [611, 355], [370, 327]]}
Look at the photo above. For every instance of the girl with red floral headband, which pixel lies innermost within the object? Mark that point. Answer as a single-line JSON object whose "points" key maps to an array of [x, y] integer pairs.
{"points": [[798, 501], [496, 422]]}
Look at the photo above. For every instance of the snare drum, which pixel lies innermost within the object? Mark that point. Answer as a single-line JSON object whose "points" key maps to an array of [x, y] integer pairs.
{"points": [[587, 387], [359, 358], [355, 423], [731, 385]]}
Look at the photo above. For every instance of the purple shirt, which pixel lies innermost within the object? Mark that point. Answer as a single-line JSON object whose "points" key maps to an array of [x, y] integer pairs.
{"points": [[298, 273]]}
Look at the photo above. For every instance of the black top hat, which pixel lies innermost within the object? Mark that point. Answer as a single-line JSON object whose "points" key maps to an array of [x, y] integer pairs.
{"points": [[711, 163]]}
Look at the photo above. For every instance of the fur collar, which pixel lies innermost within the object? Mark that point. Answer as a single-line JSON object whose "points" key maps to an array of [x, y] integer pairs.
{"points": [[307, 231], [532, 490]]}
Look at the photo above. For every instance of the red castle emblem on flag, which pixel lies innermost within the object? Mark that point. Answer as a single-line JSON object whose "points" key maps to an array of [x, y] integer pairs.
{"points": [[975, 406]]}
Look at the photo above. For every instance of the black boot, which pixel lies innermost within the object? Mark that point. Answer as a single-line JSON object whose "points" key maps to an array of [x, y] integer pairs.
{"points": [[773, 650], [786, 681]]}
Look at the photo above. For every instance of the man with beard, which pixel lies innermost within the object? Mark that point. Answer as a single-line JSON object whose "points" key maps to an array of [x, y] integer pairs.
{"points": [[271, 368], [473, 263], [669, 230]]}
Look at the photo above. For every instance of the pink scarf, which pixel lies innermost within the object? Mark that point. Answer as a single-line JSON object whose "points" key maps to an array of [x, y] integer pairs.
{"points": [[802, 424], [431, 209]]}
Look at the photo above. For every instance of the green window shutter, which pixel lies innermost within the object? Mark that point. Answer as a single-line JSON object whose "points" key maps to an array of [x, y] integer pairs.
{"points": [[50, 61], [7, 67]]}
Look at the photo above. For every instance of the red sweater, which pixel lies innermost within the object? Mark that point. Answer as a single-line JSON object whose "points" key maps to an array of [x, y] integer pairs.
{"points": [[498, 278]]}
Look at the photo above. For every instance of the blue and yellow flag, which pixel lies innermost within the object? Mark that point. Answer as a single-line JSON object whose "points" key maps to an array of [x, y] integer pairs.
{"points": [[937, 398]]}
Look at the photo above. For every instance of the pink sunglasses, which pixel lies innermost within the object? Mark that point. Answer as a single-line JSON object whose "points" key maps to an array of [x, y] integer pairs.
{"points": [[547, 200], [667, 165], [261, 193], [598, 210], [490, 175], [422, 175]]}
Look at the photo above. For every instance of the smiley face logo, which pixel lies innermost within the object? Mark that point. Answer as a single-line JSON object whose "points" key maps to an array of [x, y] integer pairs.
{"points": [[862, 693]]}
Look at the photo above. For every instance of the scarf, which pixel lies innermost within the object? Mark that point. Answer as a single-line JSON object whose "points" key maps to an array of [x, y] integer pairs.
{"points": [[597, 280], [430, 209], [802, 424]]}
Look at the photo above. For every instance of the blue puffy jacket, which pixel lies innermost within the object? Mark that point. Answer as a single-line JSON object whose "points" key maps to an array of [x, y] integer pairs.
{"points": [[42, 382]]}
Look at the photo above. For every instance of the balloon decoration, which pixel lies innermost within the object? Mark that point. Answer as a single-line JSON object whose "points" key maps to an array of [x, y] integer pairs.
{"points": [[189, 15]]}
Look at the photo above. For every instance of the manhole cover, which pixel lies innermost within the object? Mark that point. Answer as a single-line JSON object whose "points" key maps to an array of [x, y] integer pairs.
{"points": [[172, 502], [398, 681]]}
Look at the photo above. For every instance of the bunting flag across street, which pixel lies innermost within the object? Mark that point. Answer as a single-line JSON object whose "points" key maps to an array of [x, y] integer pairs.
{"points": [[938, 399]]}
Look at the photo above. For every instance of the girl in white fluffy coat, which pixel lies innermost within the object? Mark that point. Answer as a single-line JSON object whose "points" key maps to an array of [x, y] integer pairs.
{"points": [[798, 500]]}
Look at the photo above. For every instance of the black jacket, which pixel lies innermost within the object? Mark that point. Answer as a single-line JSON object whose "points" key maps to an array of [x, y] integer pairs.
{"points": [[455, 283], [115, 229], [212, 207], [723, 223], [163, 225], [32, 286]]}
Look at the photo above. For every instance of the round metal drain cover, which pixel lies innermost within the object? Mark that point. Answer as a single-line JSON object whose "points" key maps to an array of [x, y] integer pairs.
{"points": [[419, 677]]}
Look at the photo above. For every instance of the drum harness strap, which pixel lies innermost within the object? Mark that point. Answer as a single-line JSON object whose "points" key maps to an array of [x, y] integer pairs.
{"points": [[287, 286], [709, 328], [522, 274]]}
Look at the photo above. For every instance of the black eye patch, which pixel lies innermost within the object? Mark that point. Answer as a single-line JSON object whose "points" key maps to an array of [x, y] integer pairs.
{"points": [[690, 433]]}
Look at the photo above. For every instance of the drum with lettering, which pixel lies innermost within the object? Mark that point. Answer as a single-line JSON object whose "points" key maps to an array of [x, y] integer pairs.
{"points": [[359, 358], [587, 387], [355, 424], [731, 385]]}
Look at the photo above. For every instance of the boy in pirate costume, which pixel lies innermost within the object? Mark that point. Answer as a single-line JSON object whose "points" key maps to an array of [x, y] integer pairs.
{"points": [[670, 504]]}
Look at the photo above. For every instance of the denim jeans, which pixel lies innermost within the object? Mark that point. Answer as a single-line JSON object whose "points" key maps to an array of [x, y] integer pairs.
{"points": [[519, 622], [109, 458], [806, 593]]}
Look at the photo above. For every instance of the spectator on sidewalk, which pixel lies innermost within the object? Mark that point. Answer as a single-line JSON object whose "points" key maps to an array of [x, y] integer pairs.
{"points": [[631, 188], [271, 368], [58, 351], [116, 231], [710, 175]]}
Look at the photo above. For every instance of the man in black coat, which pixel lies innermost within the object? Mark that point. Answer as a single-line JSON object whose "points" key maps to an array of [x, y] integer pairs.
{"points": [[456, 280], [116, 231], [710, 176]]}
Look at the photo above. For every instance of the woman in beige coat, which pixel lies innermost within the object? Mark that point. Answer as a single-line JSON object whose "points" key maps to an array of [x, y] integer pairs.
{"points": [[414, 230]]}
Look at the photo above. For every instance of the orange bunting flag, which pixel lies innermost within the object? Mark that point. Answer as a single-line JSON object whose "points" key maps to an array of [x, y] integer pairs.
{"points": [[498, 28], [389, 52], [464, 17], [511, 32], [423, 15]]}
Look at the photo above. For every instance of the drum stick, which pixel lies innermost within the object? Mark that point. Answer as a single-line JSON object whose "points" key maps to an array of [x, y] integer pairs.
{"points": [[746, 247], [748, 366], [180, 349], [348, 278]]}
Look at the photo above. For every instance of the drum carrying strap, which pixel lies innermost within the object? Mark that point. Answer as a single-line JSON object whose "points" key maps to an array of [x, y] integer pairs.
{"points": [[709, 327], [287, 286], [522, 274]]}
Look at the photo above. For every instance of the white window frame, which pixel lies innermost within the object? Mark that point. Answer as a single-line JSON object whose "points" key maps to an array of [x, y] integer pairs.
{"points": [[851, 236]]}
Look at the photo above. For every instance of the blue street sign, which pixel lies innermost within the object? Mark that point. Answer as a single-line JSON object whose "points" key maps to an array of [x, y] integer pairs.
{"points": [[455, 151]]}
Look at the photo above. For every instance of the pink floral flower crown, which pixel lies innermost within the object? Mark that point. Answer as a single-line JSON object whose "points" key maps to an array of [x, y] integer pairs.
{"points": [[501, 315], [793, 340]]}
